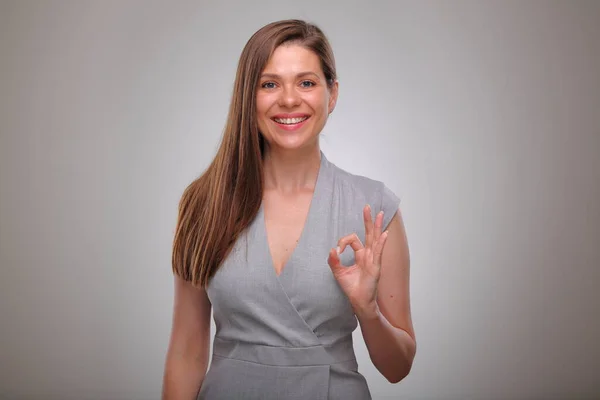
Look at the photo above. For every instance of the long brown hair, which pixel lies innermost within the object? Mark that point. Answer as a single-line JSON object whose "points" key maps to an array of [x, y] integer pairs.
{"points": [[219, 205]]}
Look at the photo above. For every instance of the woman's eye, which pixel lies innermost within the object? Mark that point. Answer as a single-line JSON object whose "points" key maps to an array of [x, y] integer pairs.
{"points": [[307, 84], [268, 85]]}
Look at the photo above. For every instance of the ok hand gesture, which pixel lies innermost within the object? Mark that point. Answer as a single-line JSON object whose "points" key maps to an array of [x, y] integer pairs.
{"points": [[359, 281]]}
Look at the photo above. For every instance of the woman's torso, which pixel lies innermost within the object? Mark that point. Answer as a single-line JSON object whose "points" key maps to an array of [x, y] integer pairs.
{"points": [[289, 336]]}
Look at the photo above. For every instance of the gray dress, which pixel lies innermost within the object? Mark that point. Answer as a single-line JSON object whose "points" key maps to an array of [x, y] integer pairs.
{"points": [[289, 337]]}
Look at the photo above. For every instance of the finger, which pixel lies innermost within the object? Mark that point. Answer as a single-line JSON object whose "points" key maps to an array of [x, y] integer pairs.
{"points": [[378, 226], [352, 240], [378, 251], [368, 226]]}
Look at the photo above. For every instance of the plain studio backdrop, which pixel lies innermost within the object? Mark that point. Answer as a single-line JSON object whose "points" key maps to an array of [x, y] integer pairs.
{"points": [[484, 117]]}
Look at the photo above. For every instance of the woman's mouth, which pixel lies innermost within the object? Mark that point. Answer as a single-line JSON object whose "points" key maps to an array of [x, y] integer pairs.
{"points": [[290, 121], [291, 124]]}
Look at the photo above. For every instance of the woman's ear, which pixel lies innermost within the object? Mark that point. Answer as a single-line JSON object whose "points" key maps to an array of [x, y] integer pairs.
{"points": [[333, 95]]}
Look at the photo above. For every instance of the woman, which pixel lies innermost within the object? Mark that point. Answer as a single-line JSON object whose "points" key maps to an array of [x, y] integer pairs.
{"points": [[260, 238]]}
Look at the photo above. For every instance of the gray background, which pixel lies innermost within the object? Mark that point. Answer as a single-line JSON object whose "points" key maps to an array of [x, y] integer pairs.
{"points": [[484, 117]]}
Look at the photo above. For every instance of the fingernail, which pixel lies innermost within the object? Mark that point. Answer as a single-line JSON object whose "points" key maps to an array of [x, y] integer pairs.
{"points": [[337, 250]]}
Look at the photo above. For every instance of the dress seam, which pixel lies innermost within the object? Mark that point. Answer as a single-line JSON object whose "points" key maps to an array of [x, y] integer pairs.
{"points": [[283, 366]]}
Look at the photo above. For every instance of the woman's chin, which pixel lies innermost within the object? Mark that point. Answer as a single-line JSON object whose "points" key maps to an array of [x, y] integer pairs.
{"points": [[293, 143]]}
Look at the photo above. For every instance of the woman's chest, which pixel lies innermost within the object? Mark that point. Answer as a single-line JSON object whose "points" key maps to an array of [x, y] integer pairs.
{"points": [[284, 220], [306, 291]]}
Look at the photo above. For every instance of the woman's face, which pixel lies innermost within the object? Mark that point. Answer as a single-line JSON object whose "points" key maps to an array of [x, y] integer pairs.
{"points": [[293, 100]]}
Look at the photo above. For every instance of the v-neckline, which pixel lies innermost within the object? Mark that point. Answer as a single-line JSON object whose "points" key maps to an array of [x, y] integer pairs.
{"points": [[307, 221]]}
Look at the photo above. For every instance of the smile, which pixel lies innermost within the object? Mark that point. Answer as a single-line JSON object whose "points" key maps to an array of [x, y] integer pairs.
{"points": [[290, 121]]}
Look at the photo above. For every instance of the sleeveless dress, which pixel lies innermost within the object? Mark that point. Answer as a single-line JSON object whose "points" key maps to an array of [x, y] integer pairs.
{"points": [[289, 336]]}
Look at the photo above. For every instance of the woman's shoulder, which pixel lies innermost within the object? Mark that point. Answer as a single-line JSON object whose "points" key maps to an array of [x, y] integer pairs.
{"points": [[358, 190], [357, 183]]}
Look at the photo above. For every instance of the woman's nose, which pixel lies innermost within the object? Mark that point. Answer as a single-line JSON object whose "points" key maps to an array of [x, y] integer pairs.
{"points": [[289, 97]]}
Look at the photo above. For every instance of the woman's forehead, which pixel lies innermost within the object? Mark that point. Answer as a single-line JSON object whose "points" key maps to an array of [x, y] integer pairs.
{"points": [[292, 59]]}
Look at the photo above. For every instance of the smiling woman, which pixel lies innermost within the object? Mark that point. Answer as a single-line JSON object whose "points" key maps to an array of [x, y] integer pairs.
{"points": [[259, 240], [295, 96]]}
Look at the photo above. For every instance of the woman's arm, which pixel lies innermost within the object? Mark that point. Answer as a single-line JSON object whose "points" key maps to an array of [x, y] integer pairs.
{"points": [[187, 356], [388, 329]]}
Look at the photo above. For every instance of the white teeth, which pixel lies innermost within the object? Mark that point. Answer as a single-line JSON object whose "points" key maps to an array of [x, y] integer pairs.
{"points": [[289, 121]]}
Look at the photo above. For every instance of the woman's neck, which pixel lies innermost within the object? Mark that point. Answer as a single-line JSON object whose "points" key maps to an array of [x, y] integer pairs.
{"points": [[288, 172]]}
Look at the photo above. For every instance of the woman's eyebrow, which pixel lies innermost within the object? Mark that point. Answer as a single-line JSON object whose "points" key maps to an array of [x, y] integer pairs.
{"points": [[299, 75]]}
